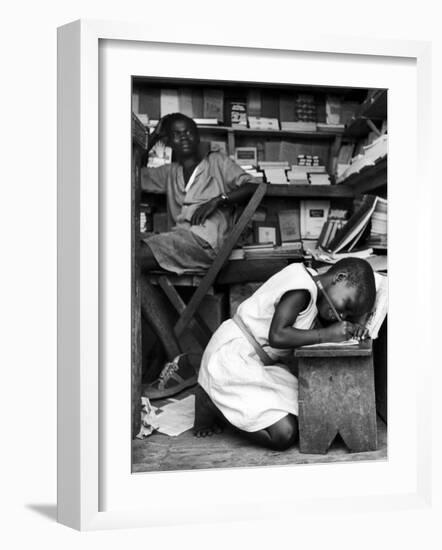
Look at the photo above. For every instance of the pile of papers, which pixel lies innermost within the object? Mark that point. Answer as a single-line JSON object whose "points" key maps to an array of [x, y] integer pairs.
{"points": [[273, 252], [378, 234], [371, 154]]}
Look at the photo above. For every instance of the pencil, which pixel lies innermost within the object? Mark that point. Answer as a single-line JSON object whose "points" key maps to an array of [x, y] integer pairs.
{"points": [[330, 303]]}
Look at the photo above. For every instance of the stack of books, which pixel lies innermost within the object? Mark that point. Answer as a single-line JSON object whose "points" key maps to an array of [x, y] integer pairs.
{"points": [[273, 252], [305, 108], [298, 126], [329, 258], [299, 175], [207, 121], [377, 150], [335, 222], [308, 160], [263, 123], [323, 127], [318, 179], [275, 171], [378, 234], [351, 233]]}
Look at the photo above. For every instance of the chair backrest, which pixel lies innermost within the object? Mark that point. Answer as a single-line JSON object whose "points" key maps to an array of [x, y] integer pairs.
{"points": [[221, 258]]}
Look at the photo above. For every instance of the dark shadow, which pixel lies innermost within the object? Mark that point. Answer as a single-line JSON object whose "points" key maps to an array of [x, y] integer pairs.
{"points": [[48, 511], [338, 444]]}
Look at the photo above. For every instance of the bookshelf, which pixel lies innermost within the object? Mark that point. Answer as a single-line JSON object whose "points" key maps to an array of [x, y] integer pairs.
{"points": [[361, 115]]}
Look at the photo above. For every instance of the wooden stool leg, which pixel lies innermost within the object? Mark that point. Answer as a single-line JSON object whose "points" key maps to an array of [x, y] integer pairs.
{"points": [[317, 419], [358, 415]]}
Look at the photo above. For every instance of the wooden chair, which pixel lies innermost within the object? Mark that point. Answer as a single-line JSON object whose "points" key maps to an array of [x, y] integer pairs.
{"points": [[203, 281]]}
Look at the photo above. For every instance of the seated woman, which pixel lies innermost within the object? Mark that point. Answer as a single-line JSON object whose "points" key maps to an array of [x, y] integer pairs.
{"points": [[243, 379], [200, 191]]}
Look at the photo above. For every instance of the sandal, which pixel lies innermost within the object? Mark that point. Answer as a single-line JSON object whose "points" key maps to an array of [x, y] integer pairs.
{"points": [[172, 379]]}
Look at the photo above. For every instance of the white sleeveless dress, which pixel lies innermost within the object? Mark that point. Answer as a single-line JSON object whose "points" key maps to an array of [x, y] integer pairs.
{"points": [[250, 395]]}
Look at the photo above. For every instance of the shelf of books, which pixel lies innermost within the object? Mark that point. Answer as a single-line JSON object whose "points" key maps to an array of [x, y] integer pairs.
{"points": [[319, 150], [321, 133], [301, 191]]}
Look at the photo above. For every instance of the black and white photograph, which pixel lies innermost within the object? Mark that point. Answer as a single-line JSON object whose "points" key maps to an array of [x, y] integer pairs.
{"points": [[259, 274]]}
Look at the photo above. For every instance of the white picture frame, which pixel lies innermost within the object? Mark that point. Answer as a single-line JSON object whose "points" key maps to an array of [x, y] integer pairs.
{"points": [[83, 302]]}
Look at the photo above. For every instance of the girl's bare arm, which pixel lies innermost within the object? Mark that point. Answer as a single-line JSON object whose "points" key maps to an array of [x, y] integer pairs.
{"points": [[282, 334]]}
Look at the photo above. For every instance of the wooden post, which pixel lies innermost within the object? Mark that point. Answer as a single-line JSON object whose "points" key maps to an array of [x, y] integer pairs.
{"points": [[136, 305], [336, 395]]}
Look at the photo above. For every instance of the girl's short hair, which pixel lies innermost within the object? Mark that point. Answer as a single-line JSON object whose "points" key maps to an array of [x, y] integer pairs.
{"points": [[359, 274]]}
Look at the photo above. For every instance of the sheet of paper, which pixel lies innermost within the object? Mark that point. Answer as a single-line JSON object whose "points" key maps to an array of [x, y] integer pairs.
{"points": [[380, 307], [177, 417], [351, 342]]}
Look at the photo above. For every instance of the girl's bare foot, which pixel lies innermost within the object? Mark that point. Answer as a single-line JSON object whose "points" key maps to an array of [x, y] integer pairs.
{"points": [[208, 419]]}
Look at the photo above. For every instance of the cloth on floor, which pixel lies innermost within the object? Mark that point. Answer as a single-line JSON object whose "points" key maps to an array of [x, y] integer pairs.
{"points": [[149, 419]]}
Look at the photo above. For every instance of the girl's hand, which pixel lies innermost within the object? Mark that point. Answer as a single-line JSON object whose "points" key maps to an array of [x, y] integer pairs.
{"points": [[361, 332], [338, 332], [204, 211]]}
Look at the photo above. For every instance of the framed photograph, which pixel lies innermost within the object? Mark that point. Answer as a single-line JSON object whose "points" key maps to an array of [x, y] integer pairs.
{"points": [[265, 232], [109, 478]]}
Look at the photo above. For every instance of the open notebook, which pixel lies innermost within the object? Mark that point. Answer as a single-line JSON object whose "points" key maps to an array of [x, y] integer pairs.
{"points": [[376, 317]]}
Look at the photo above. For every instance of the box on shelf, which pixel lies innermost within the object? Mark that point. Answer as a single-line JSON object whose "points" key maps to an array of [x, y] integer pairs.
{"points": [[263, 123], [314, 214], [246, 155]]}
